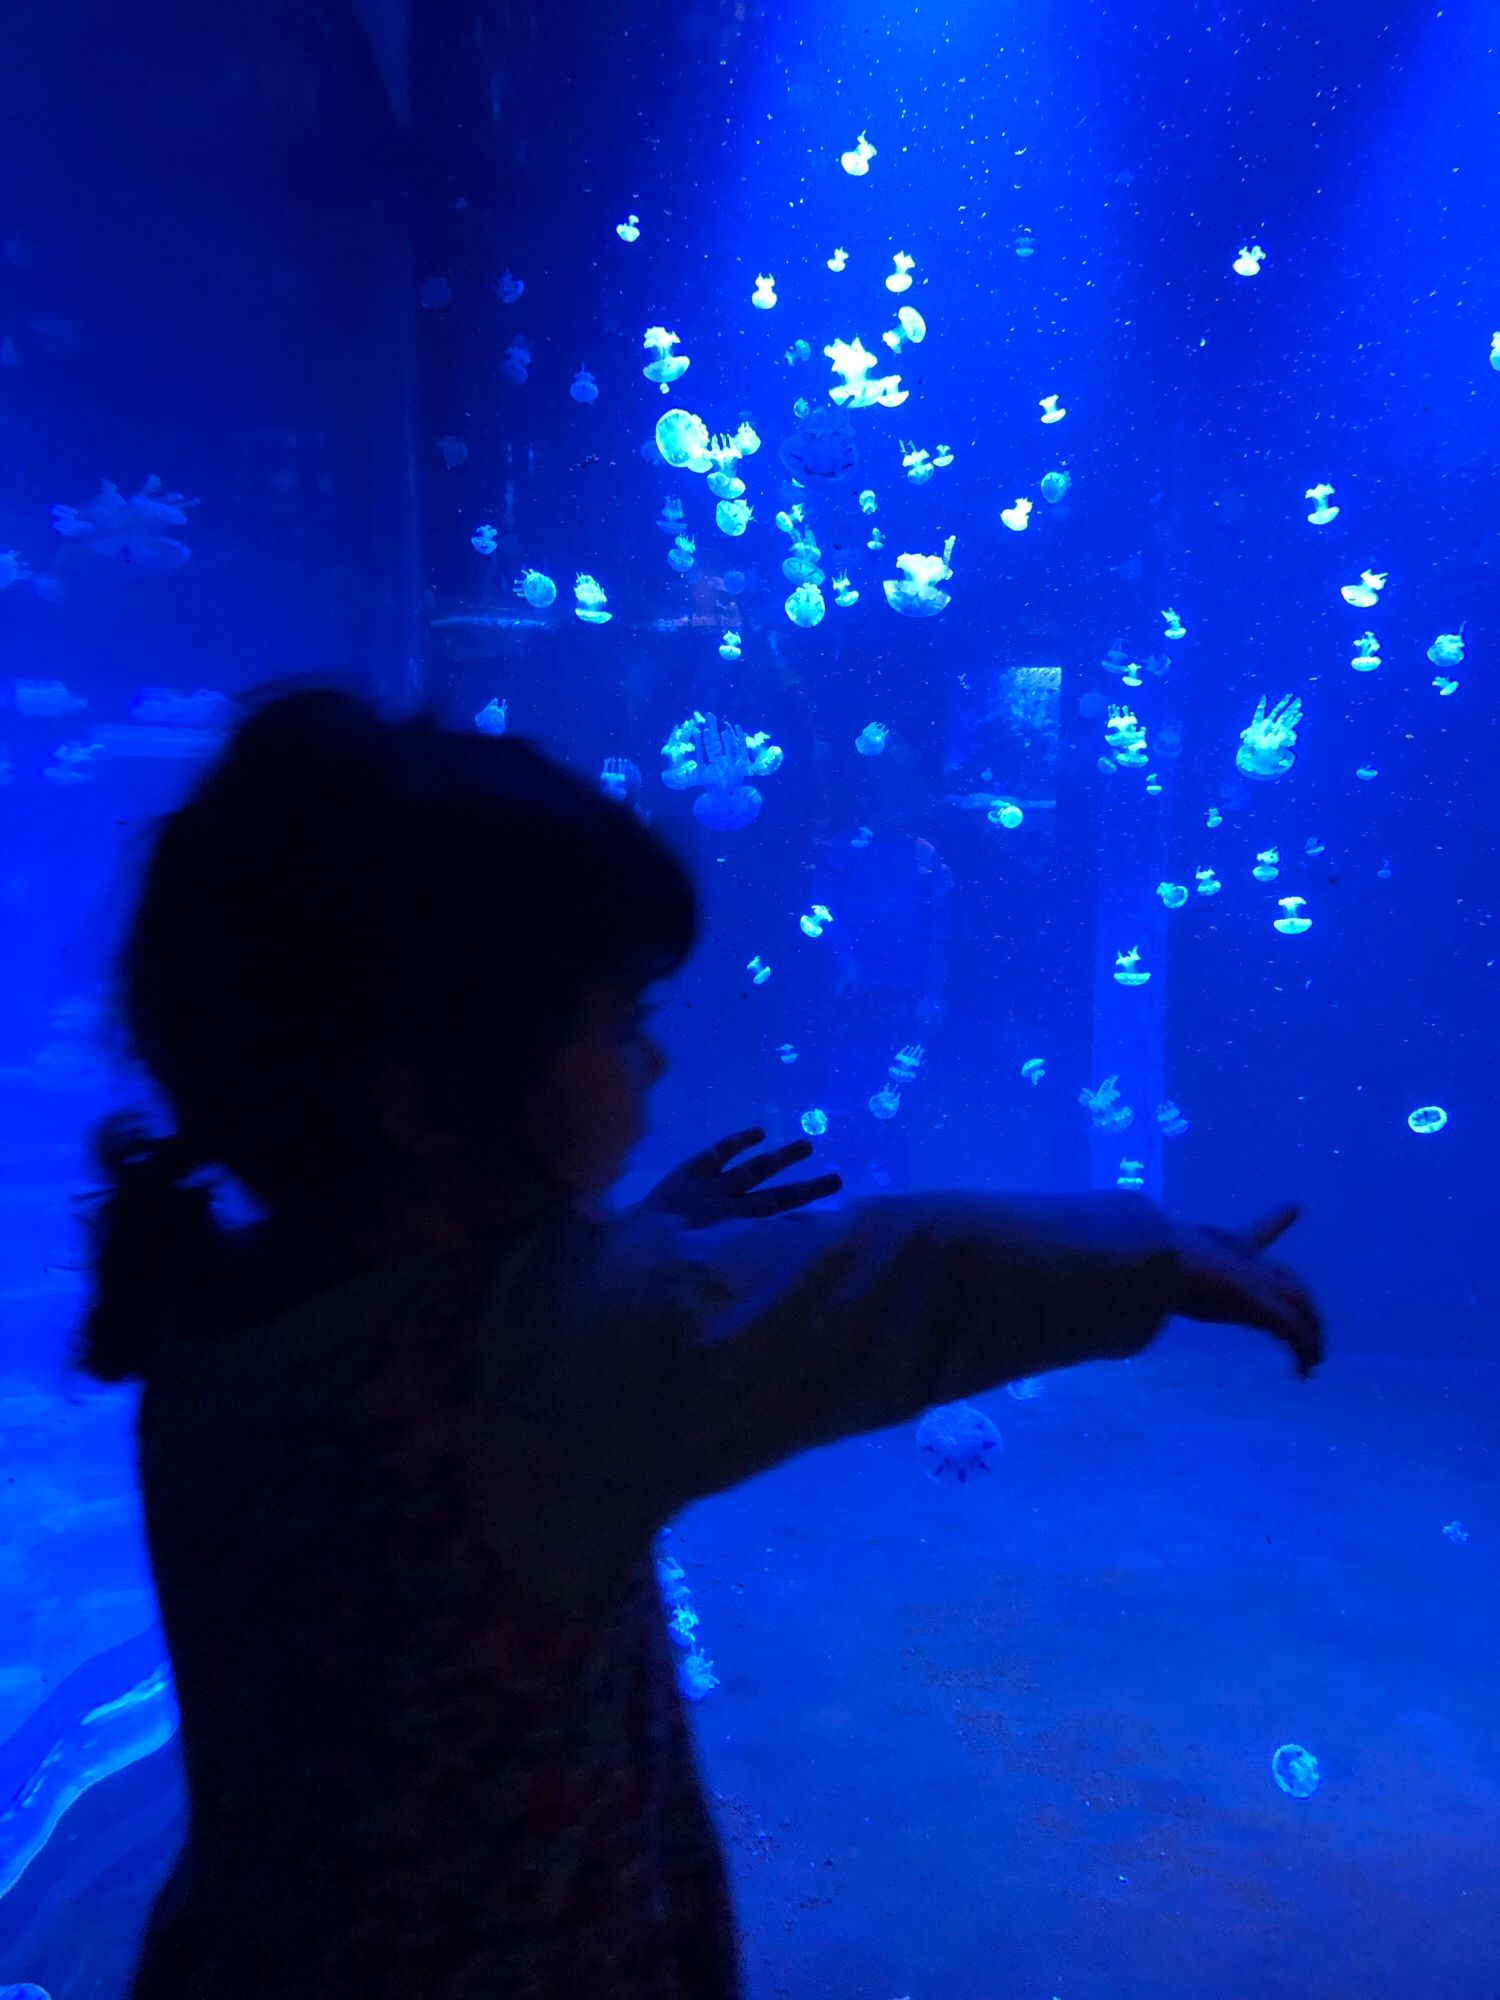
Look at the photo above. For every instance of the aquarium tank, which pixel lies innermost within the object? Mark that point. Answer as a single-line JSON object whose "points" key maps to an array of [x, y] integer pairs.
{"points": [[1008, 493]]}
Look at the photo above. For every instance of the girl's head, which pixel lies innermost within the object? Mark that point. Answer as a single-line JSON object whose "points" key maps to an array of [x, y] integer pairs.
{"points": [[387, 975]]}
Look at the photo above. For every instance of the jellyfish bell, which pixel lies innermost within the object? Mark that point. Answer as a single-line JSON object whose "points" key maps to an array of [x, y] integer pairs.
{"points": [[682, 439]]}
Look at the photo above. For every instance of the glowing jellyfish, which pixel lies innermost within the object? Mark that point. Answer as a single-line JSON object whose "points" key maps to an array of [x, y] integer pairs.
{"points": [[682, 439], [872, 739], [1128, 968], [1104, 1106], [1208, 884], [517, 362], [683, 554], [664, 367], [1016, 518], [1296, 1771], [584, 388], [844, 593], [484, 539], [1322, 513], [1366, 656], [1025, 1389], [886, 1102], [509, 288], [725, 485], [629, 231], [591, 601], [821, 451], [1131, 1175], [1034, 1069], [1427, 1118], [765, 293], [915, 594], [1364, 593], [857, 160], [1126, 738], [957, 1443], [1025, 243], [490, 720], [801, 566], [817, 920], [1447, 649], [806, 606], [1293, 923], [917, 464], [800, 350], [758, 970], [839, 260], [733, 516], [1267, 745], [814, 1123], [539, 591], [1006, 813], [900, 278], [729, 646], [912, 325], [1173, 894], [1170, 1120], [1249, 260], [722, 760], [1175, 629], [1443, 685], [860, 390], [619, 779], [787, 1053], [1267, 865], [1495, 350], [1051, 412], [1455, 1532], [1214, 817], [943, 456], [1055, 485], [867, 501]]}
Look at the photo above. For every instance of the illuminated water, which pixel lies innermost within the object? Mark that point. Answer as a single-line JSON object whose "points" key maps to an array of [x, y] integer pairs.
{"points": [[1129, 668]]}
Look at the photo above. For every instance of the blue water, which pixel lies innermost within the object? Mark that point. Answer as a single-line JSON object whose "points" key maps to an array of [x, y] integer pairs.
{"points": [[364, 291]]}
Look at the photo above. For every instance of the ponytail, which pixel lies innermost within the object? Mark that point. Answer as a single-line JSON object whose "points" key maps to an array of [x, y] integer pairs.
{"points": [[153, 1236]]}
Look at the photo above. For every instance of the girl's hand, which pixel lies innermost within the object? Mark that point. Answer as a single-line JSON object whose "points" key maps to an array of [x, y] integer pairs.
{"points": [[1224, 1280], [706, 1189]]}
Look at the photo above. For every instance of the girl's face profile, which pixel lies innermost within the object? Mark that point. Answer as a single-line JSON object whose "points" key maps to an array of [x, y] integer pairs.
{"points": [[590, 1109]]}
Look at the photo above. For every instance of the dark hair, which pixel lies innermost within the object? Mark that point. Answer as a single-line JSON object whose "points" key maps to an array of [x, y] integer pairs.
{"points": [[342, 891]]}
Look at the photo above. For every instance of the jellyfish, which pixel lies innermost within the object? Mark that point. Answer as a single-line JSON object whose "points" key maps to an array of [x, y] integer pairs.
{"points": [[1495, 350], [867, 501], [1016, 518], [1051, 413], [1444, 685], [916, 594], [886, 1102], [1006, 813], [725, 485], [800, 350], [943, 456], [872, 739], [1025, 243], [840, 258], [591, 601], [1267, 743], [801, 566], [821, 451], [1249, 260], [1267, 864], [584, 388], [1296, 1770], [1364, 593], [1126, 738], [857, 160], [912, 325], [1447, 649], [1131, 1174], [490, 720], [957, 1443], [1366, 656], [127, 534], [1426, 1119], [765, 293], [733, 516], [844, 593], [1214, 817], [917, 464], [484, 539], [1170, 1120], [817, 920], [629, 231], [805, 606], [900, 278], [1208, 884], [729, 646], [1292, 923], [814, 1123], [722, 760], [1055, 485], [45, 698], [509, 288], [853, 361], [1175, 629], [517, 363], [683, 554], [13, 568], [1104, 1107], [1322, 513], [665, 367], [1034, 1069], [758, 970], [539, 591], [619, 779], [682, 440], [1128, 968], [1173, 894], [786, 1052]]}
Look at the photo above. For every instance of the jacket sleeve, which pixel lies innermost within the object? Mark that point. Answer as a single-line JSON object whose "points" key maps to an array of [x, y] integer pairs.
{"points": [[633, 1367]]}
